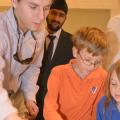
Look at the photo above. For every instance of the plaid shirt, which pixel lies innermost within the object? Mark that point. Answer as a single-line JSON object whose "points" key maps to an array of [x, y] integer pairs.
{"points": [[17, 75]]}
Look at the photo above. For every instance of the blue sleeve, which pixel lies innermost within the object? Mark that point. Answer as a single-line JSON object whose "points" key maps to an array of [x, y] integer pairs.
{"points": [[100, 109]]}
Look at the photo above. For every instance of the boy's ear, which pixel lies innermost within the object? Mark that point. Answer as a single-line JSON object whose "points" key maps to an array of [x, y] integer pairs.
{"points": [[14, 3], [75, 51]]}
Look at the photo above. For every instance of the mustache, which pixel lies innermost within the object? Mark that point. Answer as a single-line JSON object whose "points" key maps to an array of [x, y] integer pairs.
{"points": [[56, 21]]}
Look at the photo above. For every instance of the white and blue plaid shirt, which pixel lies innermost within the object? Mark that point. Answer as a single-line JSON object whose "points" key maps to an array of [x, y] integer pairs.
{"points": [[17, 75]]}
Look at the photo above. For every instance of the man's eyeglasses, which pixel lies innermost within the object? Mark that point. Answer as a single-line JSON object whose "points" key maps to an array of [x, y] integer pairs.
{"points": [[89, 62], [28, 60], [16, 56]]}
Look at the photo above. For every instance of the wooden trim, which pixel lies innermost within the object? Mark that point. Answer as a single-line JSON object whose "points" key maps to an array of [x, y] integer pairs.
{"points": [[5, 3]]}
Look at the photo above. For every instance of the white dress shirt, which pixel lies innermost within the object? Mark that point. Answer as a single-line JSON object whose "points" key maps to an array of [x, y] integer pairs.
{"points": [[57, 35]]}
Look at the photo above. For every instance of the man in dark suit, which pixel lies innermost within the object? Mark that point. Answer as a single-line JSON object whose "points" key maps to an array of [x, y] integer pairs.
{"points": [[61, 52]]}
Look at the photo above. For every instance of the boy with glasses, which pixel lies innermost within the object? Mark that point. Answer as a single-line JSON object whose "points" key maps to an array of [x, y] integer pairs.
{"points": [[21, 47], [74, 89]]}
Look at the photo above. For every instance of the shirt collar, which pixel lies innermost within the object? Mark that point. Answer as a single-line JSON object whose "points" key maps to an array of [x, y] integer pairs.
{"points": [[57, 34], [13, 22], [112, 105], [11, 18]]}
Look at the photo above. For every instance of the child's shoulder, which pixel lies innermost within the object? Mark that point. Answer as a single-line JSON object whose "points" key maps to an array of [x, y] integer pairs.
{"points": [[100, 72], [59, 67], [102, 100]]}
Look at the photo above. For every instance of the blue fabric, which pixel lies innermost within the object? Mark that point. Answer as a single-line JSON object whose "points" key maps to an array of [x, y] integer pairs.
{"points": [[110, 113]]}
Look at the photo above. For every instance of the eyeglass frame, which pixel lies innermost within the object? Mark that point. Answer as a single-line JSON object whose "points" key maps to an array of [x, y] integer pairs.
{"points": [[27, 60], [87, 62]]}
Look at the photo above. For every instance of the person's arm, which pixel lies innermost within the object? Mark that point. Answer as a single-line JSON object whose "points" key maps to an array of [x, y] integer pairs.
{"points": [[29, 80], [30, 76], [29, 88], [6, 108], [51, 100], [7, 111], [98, 117]]}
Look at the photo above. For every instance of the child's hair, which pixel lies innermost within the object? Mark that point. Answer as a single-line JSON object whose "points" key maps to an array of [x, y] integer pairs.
{"points": [[115, 67], [92, 38]]}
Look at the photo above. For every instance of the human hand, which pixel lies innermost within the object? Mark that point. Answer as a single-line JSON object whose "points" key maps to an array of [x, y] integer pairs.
{"points": [[32, 109]]}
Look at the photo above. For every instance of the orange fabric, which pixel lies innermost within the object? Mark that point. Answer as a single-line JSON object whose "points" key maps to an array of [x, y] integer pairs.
{"points": [[70, 98]]}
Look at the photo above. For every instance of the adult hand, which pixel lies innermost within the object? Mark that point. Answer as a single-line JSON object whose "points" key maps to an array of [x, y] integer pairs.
{"points": [[32, 109]]}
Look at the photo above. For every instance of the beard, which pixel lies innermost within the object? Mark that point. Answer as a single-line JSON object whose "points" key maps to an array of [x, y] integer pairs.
{"points": [[54, 25]]}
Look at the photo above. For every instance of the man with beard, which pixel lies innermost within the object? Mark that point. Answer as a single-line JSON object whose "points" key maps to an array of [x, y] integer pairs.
{"points": [[61, 52]]}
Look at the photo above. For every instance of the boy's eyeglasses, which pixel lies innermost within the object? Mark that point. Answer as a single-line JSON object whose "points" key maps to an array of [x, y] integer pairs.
{"points": [[88, 62]]}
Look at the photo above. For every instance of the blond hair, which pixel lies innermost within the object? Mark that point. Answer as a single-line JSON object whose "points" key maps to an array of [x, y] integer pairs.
{"points": [[115, 67], [92, 38]]}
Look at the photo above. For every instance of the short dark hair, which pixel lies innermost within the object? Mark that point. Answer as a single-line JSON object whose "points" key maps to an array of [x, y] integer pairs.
{"points": [[60, 5]]}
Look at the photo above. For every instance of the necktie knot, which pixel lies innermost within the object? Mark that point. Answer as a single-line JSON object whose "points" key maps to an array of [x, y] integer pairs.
{"points": [[49, 51], [51, 37]]}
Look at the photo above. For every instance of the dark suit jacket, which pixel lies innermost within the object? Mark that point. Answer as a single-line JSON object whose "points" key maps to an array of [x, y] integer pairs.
{"points": [[62, 55]]}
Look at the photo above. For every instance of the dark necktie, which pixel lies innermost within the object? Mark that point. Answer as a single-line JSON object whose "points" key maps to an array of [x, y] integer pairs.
{"points": [[49, 51]]}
